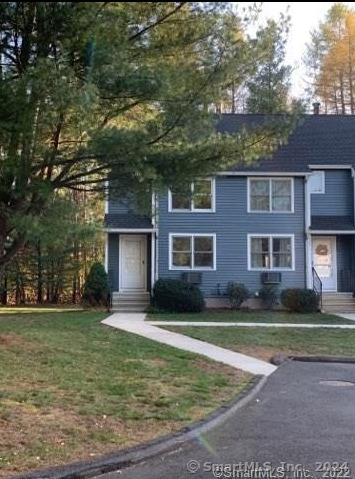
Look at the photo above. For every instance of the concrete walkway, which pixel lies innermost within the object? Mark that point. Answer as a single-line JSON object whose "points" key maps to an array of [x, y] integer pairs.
{"points": [[134, 323], [251, 325], [350, 316]]}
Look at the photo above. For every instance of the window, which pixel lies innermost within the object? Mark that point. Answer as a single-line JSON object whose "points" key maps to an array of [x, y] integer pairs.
{"points": [[192, 251], [271, 252], [316, 182], [199, 196], [273, 195]]}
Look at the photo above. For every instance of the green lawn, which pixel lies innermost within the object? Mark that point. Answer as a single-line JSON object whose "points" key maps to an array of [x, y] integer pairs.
{"points": [[72, 388], [251, 317], [264, 342]]}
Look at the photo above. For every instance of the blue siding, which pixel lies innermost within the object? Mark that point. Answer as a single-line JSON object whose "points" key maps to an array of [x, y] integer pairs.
{"points": [[113, 260], [338, 197], [232, 223], [121, 206], [345, 256]]}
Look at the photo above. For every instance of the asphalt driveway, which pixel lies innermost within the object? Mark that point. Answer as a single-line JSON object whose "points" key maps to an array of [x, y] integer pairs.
{"points": [[296, 426]]}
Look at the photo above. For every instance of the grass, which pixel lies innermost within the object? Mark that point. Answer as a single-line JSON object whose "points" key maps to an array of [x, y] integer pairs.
{"points": [[264, 342], [38, 309], [251, 317], [72, 388]]}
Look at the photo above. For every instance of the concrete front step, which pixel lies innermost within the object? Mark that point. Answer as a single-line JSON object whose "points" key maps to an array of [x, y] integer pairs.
{"points": [[130, 301], [129, 304], [334, 302], [131, 296], [130, 310], [340, 307], [337, 296]]}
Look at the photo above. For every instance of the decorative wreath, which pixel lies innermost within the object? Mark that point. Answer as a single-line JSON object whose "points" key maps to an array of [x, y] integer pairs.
{"points": [[322, 249]]}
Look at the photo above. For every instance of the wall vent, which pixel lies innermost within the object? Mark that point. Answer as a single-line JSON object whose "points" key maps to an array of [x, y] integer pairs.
{"points": [[271, 278]]}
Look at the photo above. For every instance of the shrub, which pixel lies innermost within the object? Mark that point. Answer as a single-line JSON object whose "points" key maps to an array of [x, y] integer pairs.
{"points": [[237, 293], [96, 290], [300, 300], [269, 293], [178, 296]]}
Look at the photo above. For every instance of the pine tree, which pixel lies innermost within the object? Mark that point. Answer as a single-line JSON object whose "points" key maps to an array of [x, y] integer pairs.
{"points": [[111, 89], [269, 87], [96, 290]]}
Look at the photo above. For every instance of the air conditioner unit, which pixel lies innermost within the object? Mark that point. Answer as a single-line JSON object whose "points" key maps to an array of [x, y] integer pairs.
{"points": [[271, 278], [192, 278]]}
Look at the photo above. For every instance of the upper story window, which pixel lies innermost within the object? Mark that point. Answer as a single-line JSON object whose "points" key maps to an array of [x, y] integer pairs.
{"points": [[198, 197], [316, 182], [270, 195]]}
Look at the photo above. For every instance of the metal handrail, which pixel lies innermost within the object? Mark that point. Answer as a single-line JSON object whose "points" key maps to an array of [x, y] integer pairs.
{"points": [[320, 290]]}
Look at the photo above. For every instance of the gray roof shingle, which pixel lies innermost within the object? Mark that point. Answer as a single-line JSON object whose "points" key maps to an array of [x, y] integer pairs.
{"points": [[128, 220], [317, 140]]}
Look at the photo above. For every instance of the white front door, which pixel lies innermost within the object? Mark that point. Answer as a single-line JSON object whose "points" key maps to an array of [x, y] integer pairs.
{"points": [[325, 261], [133, 259]]}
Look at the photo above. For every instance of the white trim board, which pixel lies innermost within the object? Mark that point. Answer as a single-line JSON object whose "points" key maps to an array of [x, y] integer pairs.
{"points": [[192, 235], [271, 236], [331, 232], [262, 173], [330, 167]]}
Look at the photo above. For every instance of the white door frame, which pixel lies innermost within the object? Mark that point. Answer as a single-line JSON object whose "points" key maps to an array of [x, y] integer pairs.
{"points": [[144, 238], [335, 259]]}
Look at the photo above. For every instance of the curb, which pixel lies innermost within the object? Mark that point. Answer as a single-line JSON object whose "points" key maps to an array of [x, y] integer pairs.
{"points": [[122, 459], [324, 359]]}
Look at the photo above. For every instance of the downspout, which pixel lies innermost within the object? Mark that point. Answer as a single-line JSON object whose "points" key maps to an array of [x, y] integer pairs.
{"points": [[154, 251], [307, 224]]}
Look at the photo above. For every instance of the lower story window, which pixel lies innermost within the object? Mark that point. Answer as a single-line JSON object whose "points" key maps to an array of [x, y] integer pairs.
{"points": [[192, 251], [271, 252]]}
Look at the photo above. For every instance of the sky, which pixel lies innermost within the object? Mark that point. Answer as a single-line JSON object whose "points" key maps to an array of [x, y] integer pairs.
{"points": [[305, 16]]}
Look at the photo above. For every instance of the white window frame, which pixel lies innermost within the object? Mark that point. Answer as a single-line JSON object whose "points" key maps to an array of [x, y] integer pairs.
{"points": [[192, 268], [192, 208], [271, 237], [270, 211], [322, 189]]}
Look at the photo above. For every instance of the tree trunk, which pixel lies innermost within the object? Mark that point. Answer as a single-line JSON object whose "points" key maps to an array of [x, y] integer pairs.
{"points": [[39, 274], [351, 89], [342, 96], [3, 286]]}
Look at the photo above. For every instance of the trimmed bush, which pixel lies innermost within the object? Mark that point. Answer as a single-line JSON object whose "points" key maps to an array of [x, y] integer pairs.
{"points": [[178, 296], [269, 294], [300, 300], [96, 290], [237, 294]]}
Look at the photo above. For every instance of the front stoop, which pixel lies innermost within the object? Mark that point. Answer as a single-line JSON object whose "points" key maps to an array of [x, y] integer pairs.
{"points": [[338, 303], [130, 301]]}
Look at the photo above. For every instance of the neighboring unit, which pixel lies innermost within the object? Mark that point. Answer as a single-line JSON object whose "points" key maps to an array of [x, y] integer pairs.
{"points": [[287, 221]]}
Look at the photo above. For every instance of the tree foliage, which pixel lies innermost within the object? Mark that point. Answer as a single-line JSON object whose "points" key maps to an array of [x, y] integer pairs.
{"points": [[269, 87], [62, 244], [331, 61], [112, 89], [96, 290]]}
